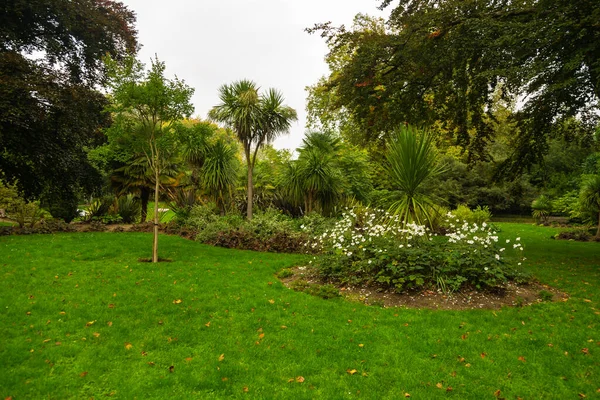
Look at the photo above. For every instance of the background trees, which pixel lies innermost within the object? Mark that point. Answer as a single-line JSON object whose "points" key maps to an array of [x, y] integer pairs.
{"points": [[50, 110], [441, 62]]}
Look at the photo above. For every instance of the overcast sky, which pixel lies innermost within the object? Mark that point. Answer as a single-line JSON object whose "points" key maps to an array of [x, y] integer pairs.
{"points": [[209, 43]]}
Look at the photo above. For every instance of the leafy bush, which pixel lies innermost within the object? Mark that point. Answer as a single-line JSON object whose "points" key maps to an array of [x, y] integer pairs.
{"points": [[129, 208], [182, 202], [99, 208], [61, 204], [376, 248], [26, 213], [577, 234], [542, 208], [477, 216]]}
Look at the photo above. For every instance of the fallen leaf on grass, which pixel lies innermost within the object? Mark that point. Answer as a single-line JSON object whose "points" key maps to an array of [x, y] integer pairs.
{"points": [[62, 313], [361, 345], [521, 358], [272, 301], [439, 385], [406, 394], [224, 379], [221, 357], [144, 354], [109, 323], [483, 355], [111, 306], [47, 340], [351, 371], [497, 393], [468, 365], [245, 389], [84, 373], [178, 301], [172, 368], [90, 323], [585, 351], [188, 359], [96, 334], [300, 379], [262, 335], [151, 364], [283, 327], [128, 346], [207, 324], [583, 396], [58, 343]]}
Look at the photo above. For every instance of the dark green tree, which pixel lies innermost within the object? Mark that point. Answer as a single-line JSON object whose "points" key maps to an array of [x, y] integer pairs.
{"points": [[50, 110], [441, 61]]}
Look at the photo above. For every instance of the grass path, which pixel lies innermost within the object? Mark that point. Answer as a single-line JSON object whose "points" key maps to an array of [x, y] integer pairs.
{"points": [[81, 318]]}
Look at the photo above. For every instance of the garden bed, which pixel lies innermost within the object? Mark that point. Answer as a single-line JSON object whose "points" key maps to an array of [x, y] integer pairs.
{"points": [[512, 295]]}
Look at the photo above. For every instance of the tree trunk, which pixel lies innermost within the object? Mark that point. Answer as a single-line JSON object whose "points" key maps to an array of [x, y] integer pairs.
{"points": [[155, 244], [250, 190], [145, 197]]}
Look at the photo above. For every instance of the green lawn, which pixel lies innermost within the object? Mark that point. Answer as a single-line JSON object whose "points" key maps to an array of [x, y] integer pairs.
{"points": [[81, 318]]}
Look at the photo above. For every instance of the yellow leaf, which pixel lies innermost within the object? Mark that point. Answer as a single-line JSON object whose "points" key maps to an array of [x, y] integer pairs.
{"points": [[96, 334], [361, 345], [468, 365], [351, 371], [109, 323], [300, 379], [272, 301], [207, 324], [262, 335], [221, 357], [283, 327], [439, 385], [245, 389], [90, 323], [521, 358], [128, 346], [406, 395], [178, 301]]}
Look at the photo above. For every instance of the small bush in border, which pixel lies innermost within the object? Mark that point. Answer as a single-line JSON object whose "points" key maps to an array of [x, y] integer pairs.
{"points": [[374, 247]]}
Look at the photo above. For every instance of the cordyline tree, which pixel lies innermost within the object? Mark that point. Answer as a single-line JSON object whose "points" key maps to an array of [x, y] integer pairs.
{"points": [[441, 61], [146, 109], [256, 119]]}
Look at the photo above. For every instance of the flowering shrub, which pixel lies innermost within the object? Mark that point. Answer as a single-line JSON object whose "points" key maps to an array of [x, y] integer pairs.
{"points": [[374, 247]]}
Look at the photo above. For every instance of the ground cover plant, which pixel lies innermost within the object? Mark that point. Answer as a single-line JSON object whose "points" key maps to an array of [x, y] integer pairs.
{"points": [[81, 317], [374, 247]]}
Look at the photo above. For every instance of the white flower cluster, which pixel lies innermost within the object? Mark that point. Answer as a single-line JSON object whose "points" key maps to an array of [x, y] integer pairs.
{"points": [[359, 232]]}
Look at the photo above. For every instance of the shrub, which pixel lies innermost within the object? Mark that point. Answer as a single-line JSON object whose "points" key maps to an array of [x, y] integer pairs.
{"points": [[129, 208], [376, 248], [99, 208], [542, 208], [61, 203], [578, 234], [477, 216], [182, 202]]}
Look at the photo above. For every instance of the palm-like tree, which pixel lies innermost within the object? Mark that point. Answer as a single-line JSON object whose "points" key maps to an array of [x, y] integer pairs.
{"points": [[589, 196], [219, 171], [411, 159], [256, 120]]}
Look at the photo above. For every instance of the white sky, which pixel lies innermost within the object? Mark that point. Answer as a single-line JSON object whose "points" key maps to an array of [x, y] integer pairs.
{"points": [[209, 43]]}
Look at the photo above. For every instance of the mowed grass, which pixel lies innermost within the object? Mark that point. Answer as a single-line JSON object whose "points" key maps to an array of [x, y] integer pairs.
{"points": [[80, 317]]}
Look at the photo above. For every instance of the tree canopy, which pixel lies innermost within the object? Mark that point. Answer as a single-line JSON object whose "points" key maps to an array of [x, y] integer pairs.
{"points": [[442, 61], [50, 109]]}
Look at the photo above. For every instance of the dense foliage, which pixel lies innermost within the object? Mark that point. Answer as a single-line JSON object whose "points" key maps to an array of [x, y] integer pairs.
{"points": [[376, 248], [50, 109]]}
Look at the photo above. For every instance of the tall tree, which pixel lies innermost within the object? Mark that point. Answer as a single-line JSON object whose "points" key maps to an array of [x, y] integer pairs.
{"points": [[50, 110], [256, 119], [442, 60], [146, 107]]}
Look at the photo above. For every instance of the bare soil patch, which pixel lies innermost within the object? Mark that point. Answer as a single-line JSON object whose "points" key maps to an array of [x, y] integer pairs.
{"points": [[513, 295]]}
